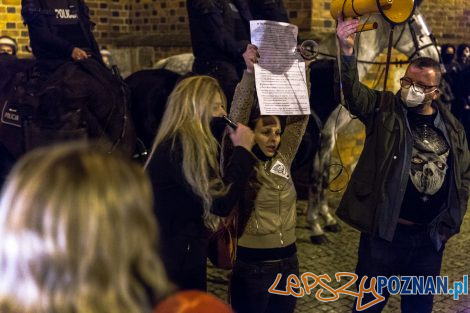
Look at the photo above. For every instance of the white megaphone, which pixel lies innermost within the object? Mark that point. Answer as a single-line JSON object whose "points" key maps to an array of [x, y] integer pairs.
{"points": [[393, 11]]}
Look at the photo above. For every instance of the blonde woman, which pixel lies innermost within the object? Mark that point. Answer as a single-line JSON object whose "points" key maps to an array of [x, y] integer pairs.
{"points": [[188, 187], [77, 235]]}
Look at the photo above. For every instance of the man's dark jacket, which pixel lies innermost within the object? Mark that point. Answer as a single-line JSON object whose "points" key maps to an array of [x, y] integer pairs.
{"points": [[370, 202]]}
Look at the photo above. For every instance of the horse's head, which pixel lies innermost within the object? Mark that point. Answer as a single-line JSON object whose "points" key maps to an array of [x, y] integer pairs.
{"points": [[413, 38], [417, 39]]}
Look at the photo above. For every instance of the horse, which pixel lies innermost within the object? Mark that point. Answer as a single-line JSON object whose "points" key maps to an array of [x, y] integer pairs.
{"points": [[180, 63], [409, 39], [149, 91], [79, 100]]}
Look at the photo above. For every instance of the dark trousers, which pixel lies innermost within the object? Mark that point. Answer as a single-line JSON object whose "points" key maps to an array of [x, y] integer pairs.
{"points": [[225, 72], [411, 253], [185, 260], [251, 281]]}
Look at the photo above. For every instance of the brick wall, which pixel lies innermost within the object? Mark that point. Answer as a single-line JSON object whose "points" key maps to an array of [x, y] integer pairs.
{"points": [[158, 16], [111, 18], [321, 18], [313, 15], [449, 20], [143, 17], [11, 23]]}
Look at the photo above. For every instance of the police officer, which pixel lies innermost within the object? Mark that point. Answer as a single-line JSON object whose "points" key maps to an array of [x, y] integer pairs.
{"points": [[8, 45], [59, 31], [220, 32], [272, 10], [107, 57]]}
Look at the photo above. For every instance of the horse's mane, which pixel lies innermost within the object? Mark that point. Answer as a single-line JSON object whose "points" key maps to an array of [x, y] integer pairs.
{"points": [[149, 91]]}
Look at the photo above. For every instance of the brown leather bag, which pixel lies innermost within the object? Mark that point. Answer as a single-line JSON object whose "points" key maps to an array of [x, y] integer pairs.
{"points": [[223, 243]]}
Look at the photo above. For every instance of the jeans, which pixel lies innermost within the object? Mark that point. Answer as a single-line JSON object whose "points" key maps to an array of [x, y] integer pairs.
{"points": [[411, 253], [250, 283]]}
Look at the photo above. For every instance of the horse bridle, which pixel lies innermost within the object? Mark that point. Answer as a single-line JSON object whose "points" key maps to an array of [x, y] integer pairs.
{"points": [[415, 37]]}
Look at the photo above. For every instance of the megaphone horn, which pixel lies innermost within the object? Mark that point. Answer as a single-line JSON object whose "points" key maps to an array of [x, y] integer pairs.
{"points": [[393, 11]]}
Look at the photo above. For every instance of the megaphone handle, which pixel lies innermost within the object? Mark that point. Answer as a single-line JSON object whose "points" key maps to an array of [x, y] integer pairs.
{"points": [[366, 27]]}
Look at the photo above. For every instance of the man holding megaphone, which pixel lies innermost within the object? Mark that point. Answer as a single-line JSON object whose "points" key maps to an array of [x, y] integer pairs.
{"points": [[409, 191]]}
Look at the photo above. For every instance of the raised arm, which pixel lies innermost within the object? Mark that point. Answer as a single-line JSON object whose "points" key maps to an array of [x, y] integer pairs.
{"points": [[244, 96], [292, 136], [360, 100]]}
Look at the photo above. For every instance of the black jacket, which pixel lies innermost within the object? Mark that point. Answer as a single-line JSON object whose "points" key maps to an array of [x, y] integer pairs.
{"points": [[219, 29], [373, 198], [57, 26], [184, 238], [272, 10]]}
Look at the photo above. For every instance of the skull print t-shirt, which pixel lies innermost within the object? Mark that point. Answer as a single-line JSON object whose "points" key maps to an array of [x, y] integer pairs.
{"points": [[427, 186]]}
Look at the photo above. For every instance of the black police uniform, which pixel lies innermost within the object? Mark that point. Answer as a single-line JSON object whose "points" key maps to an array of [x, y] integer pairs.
{"points": [[272, 10], [56, 27], [219, 35]]}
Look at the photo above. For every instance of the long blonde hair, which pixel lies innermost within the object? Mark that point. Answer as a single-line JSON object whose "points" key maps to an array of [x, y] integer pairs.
{"points": [[77, 235], [187, 116]]}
